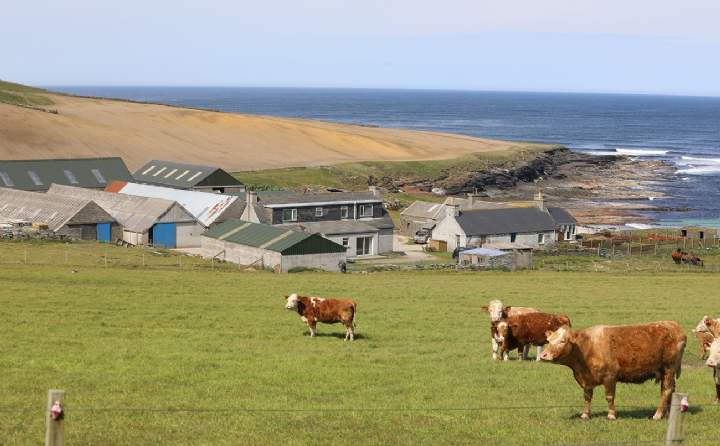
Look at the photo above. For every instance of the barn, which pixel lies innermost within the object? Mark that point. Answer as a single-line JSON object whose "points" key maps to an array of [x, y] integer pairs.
{"points": [[38, 175], [264, 246], [188, 176], [76, 218], [144, 221], [208, 208]]}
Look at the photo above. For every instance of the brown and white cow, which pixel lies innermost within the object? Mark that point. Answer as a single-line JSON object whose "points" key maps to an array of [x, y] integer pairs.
{"points": [[713, 360], [704, 338], [605, 355], [526, 330], [328, 311], [499, 311]]}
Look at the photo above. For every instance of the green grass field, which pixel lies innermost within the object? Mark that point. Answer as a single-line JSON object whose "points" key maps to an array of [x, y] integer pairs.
{"points": [[16, 94], [194, 356]]}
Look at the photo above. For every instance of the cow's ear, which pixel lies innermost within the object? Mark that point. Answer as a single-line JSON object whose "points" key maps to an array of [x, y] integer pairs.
{"points": [[484, 308], [507, 308], [705, 319]]}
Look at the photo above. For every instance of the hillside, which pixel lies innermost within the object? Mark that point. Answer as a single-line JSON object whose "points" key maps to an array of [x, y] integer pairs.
{"points": [[138, 132]]}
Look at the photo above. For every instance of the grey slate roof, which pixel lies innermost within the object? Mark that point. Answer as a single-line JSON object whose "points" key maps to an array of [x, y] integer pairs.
{"points": [[272, 238], [38, 175], [183, 176], [561, 216], [310, 199], [35, 207], [137, 214], [505, 221]]}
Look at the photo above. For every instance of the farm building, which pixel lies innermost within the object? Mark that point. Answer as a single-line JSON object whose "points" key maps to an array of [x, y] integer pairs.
{"points": [[498, 255], [699, 233], [265, 246], [208, 208], [38, 175], [76, 218], [188, 176], [529, 226], [356, 220], [144, 221]]}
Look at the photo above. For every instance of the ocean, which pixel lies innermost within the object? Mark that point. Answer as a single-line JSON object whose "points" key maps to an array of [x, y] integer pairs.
{"points": [[684, 131]]}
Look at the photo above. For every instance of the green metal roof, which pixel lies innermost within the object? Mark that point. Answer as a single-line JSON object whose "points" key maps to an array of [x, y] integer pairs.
{"points": [[38, 175], [272, 238], [183, 176]]}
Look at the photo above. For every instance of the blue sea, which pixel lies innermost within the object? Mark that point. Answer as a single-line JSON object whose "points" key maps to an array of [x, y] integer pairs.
{"points": [[682, 130]]}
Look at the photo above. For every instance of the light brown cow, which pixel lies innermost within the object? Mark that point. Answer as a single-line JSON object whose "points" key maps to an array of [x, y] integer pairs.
{"points": [[526, 330], [605, 355], [499, 311], [328, 311], [704, 338], [713, 361]]}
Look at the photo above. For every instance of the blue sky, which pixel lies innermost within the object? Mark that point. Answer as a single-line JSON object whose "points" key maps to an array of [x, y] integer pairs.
{"points": [[635, 46]]}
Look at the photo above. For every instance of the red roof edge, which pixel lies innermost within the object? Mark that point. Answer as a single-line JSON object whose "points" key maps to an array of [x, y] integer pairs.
{"points": [[115, 186]]}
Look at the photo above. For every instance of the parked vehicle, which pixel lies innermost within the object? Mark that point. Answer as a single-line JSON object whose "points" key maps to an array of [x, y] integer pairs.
{"points": [[422, 236]]}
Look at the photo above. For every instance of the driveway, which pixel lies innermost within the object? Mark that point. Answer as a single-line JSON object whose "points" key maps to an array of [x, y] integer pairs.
{"points": [[412, 252]]}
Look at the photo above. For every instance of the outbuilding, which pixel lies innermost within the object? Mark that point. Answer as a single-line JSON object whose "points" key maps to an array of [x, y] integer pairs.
{"points": [[188, 176], [264, 246], [76, 218], [37, 175], [144, 221]]}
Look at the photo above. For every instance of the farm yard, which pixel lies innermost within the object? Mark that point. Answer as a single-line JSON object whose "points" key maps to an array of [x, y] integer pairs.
{"points": [[156, 348]]}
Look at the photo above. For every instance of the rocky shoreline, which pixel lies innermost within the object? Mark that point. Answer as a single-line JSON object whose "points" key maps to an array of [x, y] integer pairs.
{"points": [[596, 189]]}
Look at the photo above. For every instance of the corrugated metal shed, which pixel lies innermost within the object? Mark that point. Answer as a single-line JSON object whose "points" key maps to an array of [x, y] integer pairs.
{"points": [[184, 176], [206, 207], [505, 221], [38, 175], [19, 205], [273, 238], [136, 214], [485, 252]]}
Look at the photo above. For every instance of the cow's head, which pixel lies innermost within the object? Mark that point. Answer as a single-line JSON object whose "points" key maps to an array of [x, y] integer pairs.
{"points": [[701, 327], [502, 331], [291, 301], [713, 326], [558, 344], [714, 356], [496, 309]]}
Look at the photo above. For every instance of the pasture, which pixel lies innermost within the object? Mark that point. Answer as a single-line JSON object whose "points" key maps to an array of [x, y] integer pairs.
{"points": [[195, 356]]}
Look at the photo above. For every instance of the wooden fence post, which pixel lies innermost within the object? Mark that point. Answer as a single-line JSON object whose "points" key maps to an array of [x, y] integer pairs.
{"points": [[676, 419], [54, 424], [143, 257]]}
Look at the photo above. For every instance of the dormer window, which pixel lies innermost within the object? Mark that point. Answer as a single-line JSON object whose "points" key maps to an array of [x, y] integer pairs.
{"points": [[318, 212], [289, 215], [366, 210]]}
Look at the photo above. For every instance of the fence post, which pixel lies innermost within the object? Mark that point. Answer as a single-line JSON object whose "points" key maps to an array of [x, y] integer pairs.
{"points": [[143, 257], [676, 427], [54, 424]]}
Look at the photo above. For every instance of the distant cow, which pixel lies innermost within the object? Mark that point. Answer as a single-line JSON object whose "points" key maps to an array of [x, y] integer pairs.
{"points": [[329, 311], [605, 355], [499, 311], [714, 362], [704, 338], [528, 329], [678, 255]]}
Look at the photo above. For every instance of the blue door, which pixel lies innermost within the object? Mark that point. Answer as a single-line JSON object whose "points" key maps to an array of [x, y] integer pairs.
{"points": [[103, 232], [164, 235]]}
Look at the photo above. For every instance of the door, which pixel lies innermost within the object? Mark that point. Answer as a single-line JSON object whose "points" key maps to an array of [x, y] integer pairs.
{"points": [[163, 234], [103, 232], [363, 246]]}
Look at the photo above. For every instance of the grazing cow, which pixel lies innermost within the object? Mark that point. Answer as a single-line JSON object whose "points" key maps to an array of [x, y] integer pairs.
{"points": [[526, 330], [704, 337], [499, 311], [714, 362], [678, 255], [605, 355], [329, 311], [713, 326]]}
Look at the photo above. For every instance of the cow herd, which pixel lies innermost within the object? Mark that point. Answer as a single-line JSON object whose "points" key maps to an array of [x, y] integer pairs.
{"points": [[602, 355]]}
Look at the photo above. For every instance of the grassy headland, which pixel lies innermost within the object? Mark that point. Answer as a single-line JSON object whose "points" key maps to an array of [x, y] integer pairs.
{"points": [[17, 94]]}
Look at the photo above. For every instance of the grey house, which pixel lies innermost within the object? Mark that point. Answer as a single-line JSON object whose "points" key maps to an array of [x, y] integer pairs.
{"points": [[38, 175], [564, 224], [356, 220], [187, 176]]}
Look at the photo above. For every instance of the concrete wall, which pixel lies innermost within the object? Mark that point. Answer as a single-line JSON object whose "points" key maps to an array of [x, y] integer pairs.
{"points": [[188, 234], [448, 229], [528, 239], [385, 242], [240, 254], [352, 243], [135, 238], [409, 226], [327, 262]]}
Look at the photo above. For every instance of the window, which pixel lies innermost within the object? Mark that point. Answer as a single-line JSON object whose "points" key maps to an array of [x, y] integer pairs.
{"points": [[146, 171], [182, 174], [318, 212], [98, 176], [71, 177], [363, 246], [344, 213], [35, 178], [161, 170], [702, 235], [289, 215], [684, 232], [457, 240], [6, 179], [194, 176], [171, 173], [346, 242], [513, 236], [541, 238], [366, 210]]}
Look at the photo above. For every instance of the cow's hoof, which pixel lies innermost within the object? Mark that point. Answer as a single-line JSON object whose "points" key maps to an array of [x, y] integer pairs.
{"points": [[585, 417], [657, 416], [612, 417]]}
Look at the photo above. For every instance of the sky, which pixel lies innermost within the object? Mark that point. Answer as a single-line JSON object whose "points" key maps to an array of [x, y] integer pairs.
{"points": [[628, 46]]}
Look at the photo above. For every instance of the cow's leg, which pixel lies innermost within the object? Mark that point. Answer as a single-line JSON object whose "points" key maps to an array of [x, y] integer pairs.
{"points": [[588, 393], [538, 350], [313, 328], [610, 398], [525, 351], [495, 348], [667, 387]]}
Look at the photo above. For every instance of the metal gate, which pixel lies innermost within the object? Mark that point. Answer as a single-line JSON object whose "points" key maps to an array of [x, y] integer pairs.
{"points": [[164, 235], [103, 232]]}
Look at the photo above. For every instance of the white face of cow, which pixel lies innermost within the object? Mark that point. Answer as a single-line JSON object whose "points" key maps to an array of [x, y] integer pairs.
{"points": [[701, 327], [291, 302], [714, 356], [558, 344], [502, 332], [496, 309]]}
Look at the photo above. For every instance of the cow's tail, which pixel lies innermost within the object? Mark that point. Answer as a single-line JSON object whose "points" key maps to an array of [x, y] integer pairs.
{"points": [[678, 366], [354, 319]]}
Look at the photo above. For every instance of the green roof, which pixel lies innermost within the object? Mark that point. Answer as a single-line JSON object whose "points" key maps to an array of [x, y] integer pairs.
{"points": [[38, 175], [272, 238]]}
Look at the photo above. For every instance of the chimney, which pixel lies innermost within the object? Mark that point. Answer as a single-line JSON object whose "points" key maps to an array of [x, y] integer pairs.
{"points": [[375, 191], [539, 202], [251, 197], [452, 210]]}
